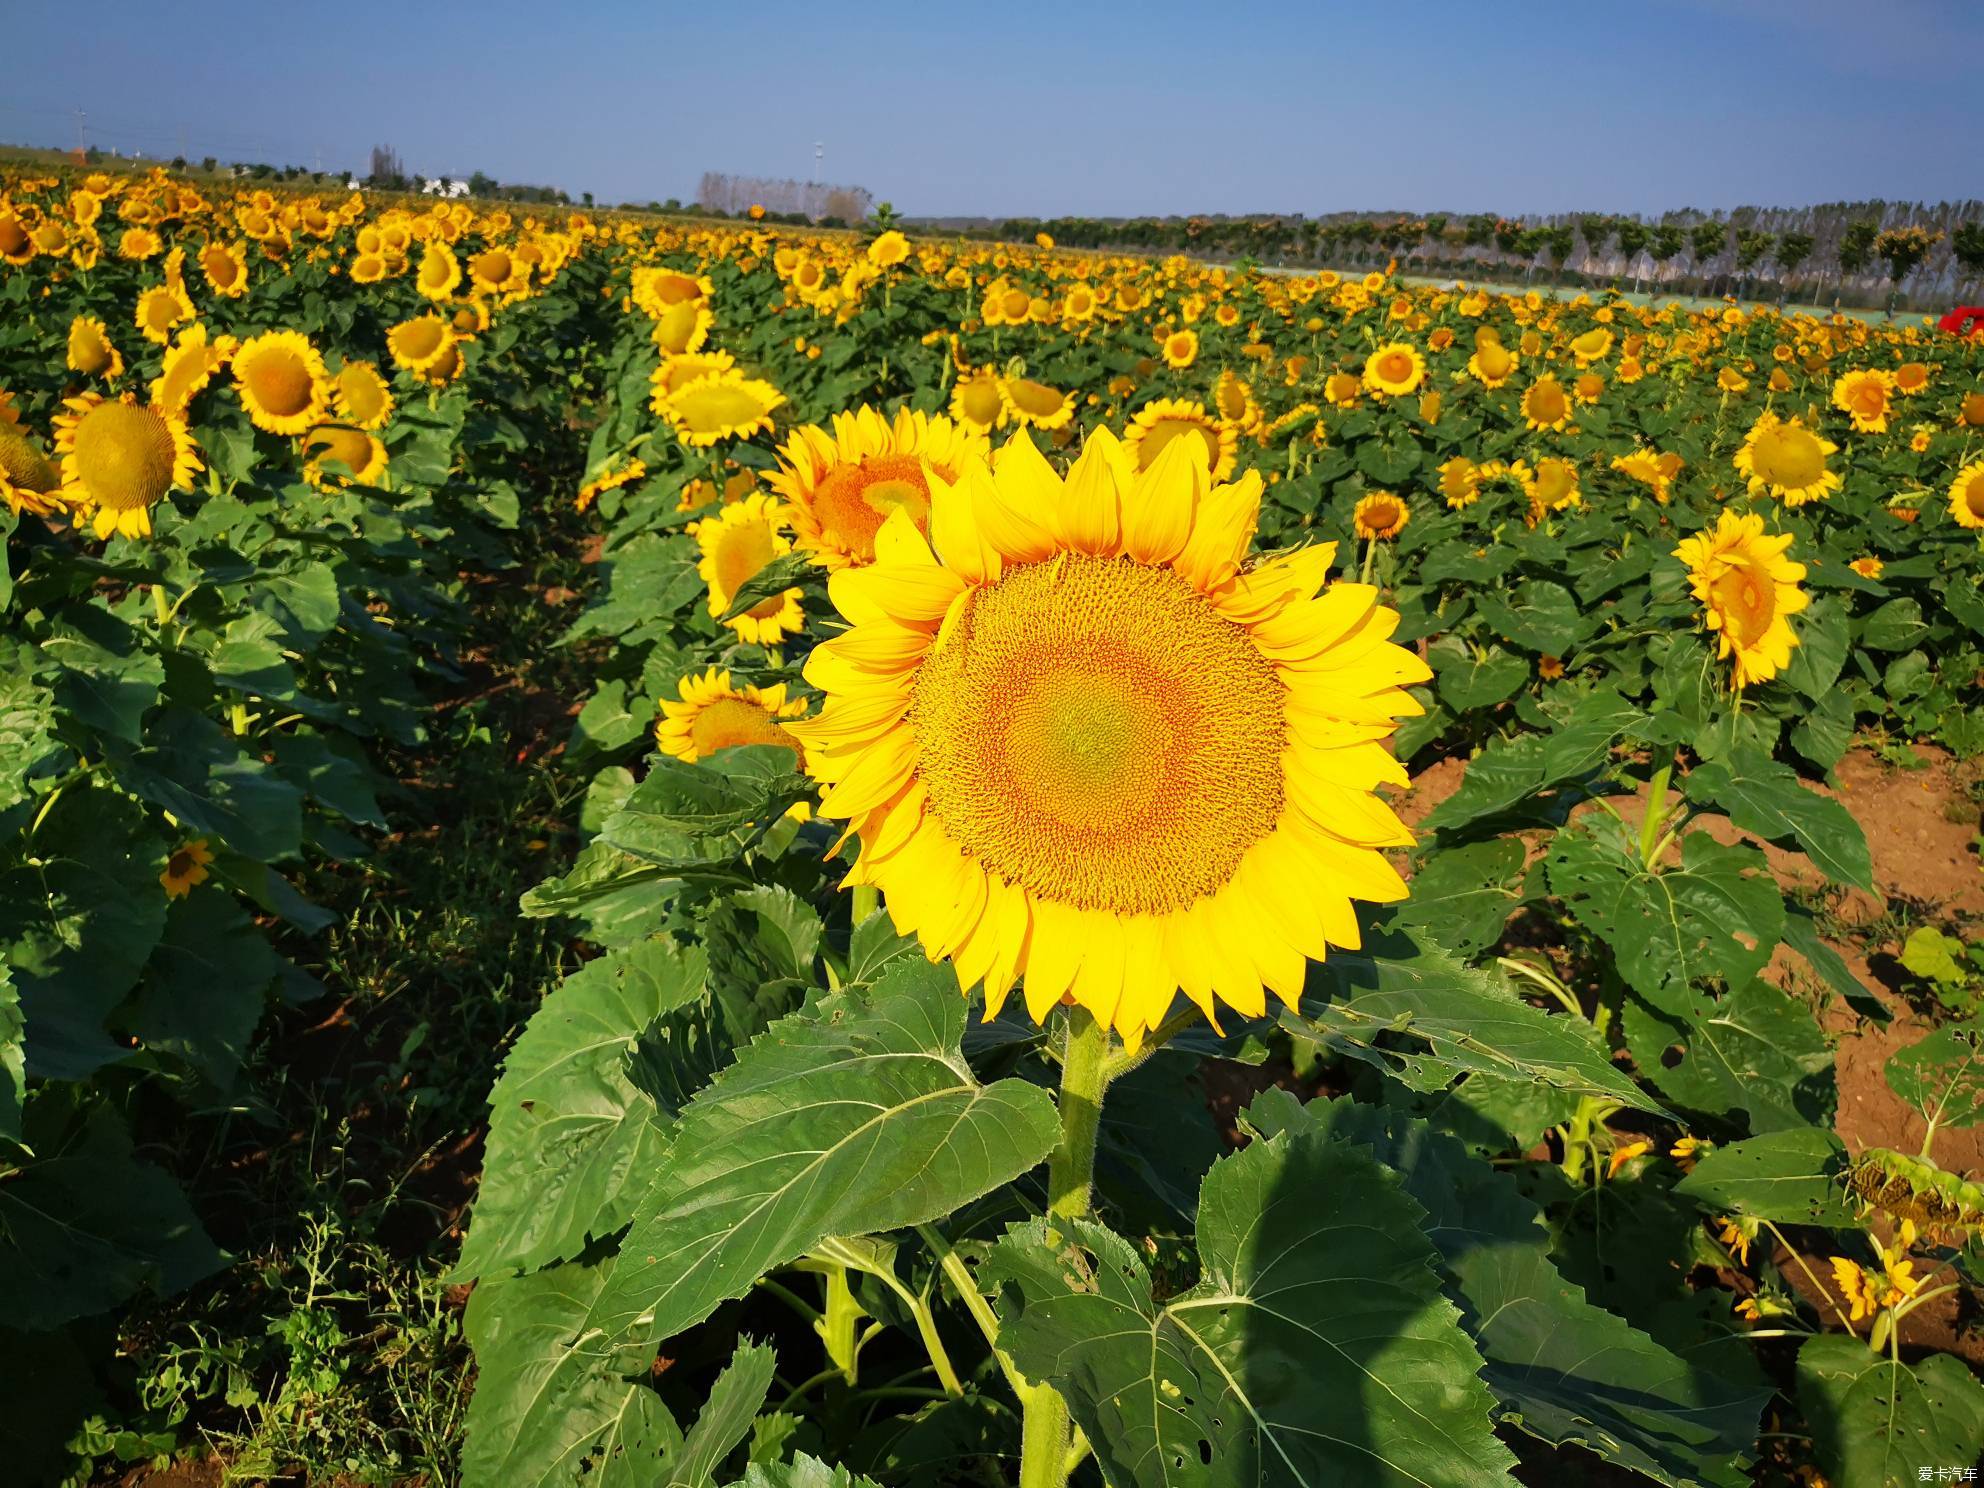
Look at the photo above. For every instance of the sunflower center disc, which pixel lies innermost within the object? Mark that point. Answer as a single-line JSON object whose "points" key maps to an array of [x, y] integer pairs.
{"points": [[854, 500], [1790, 458], [124, 454], [282, 383], [1096, 733], [733, 721], [1748, 601]]}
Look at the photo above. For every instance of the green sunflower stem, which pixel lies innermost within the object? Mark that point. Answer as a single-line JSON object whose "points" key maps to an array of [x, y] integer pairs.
{"points": [[1045, 1455]]}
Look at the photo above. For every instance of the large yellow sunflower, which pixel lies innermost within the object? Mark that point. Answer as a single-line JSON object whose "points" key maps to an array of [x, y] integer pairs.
{"points": [[1545, 405], [1967, 495], [1179, 349], [1866, 397], [160, 308], [340, 455], [1157, 424], [361, 397], [716, 714], [736, 543], [119, 459], [678, 372], [712, 409], [840, 484], [1380, 514], [281, 380], [1492, 363], [90, 350], [1084, 743], [189, 366], [1748, 589], [1035, 405], [28, 478], [440, 271], [977, 403], [1394, 369], [1788, 460]]}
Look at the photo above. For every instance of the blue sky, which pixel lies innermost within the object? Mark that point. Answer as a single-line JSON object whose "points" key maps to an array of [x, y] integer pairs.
{"points": [[1521, 106]]}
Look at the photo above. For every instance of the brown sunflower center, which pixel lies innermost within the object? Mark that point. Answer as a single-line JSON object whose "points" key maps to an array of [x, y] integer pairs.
{"points": [[88, 351], [281, 382], [855, 498], [1973, 496], [124, 454], [1869, 398], [1097, 734], [1747, 600], [1394, 366]]}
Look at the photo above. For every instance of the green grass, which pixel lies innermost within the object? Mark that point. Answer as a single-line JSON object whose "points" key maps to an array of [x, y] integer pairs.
{"points": [[331, 1349]]}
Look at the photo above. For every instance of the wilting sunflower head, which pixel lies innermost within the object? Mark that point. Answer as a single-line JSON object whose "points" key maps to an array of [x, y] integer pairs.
{"points": [[1380, 514], [1866, 398], [90, 351], [1085, 743], [716, 714], [977, 403], [28, 478], [281, 380], [712, 409], [119, 459], [340, 455], [735, 545], [1748, 590], [360, 396], [1788, 460], [1394, 369], [1035, 405], [1157, 424], [840, 485], [1967, 495], [188, 367]]}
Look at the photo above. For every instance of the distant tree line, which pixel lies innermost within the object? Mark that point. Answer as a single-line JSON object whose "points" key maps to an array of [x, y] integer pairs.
{"points": [[1899, 254], [722, 195]]}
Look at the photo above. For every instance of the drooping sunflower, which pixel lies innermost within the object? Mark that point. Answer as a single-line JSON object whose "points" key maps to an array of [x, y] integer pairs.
{"points": [[735, 544], [340, 455], [28, 478], [160, 308], [1545, 405], [1179, 349], [119, 458], [1380, 514], [190, 364], [420, 345], [360, 396], [977, 403], [1157, 424], [1748, 590], [90, 350], [1967, 495], [1394, 369], [712, 409], [1866, 397], [225, 266], [1035, 405], [1648, 468], [715, 713], [1083, 743], [841, 483], [282, 383], [1788, 460], [440, 271], [1234, 401], [614, 475]]}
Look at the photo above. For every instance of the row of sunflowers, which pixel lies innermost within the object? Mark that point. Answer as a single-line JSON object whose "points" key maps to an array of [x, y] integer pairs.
{"points": [[1086, 620]]}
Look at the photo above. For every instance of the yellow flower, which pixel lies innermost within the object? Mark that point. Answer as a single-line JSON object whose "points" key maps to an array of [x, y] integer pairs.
{"points": [[1544, 404], [1910, 378], [1551, 486], [1735, 1236], [1157, 424], [1460, 482], [1864, 397], [888, 249], [28, 478], [1340, 389], [1180, 349], [1867, 568], [90, 350], [1035, 405], [1128, 748], [1748, 590], [1967, 495], [186, 868], [189, 366], [339, 455], [1787, 460], [225, 266], [1233, 401], [361, 397], [440, 272], [1492, 363], [1623, 1155], [282, 383], [977, 403], [714, 714], [611, 479], [119, 459], [735, 544], [1394, 369], [712, 409], [1731, 381], [1380, 514], [1592, 346], [1043, 240], [839, 484], [160, 308]]}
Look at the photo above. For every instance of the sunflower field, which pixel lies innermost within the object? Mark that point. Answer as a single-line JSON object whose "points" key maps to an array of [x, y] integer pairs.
{"points": [[641, 851]]}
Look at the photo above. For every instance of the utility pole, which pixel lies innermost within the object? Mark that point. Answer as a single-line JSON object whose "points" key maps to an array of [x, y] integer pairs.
{"points": [[82, 132], [819, 153]]}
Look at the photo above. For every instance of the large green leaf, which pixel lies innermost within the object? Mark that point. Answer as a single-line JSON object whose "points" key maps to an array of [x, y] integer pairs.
{"points": [[13, 1057], [802, 1472], [1408, 1007], [724, 1421], [205, 985], [573, 1136], [1466, 894], [1942, 1075], [1791, 1176], [1468, 678], [1876, 1422], [1670, 929], [857, 1114], [1765, 798], [1317, 1348], [27, 733], [1509, 771], [1755, 1051], [1538, 615], [734, 790], [1563, 1369]]}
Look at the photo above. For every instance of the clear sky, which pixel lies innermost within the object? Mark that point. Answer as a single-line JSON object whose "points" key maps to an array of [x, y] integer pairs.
{"points": [[1013, 107]]}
